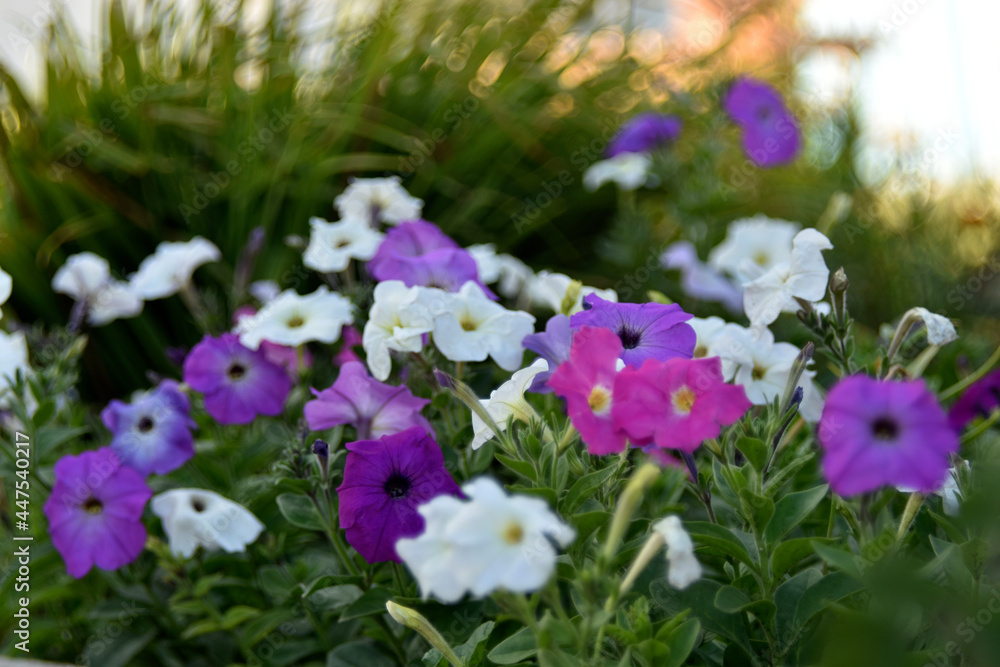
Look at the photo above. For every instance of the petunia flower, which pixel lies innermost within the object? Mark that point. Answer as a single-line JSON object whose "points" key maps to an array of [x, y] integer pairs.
{"points": [[979, 400], [587, 383], [170, 268], [515, 276], [13, 358], [95, 511], [288, 357], [419, 253], [378, 200], [238, 383], [332, 245], [471, 327], [940, 330], [385, 480], [951, 496], [507, 401], [487, 262], [397, 321], [628, 171], [199, 517], [6, 288], [676, 404], [645, 132], [553, 345], [881, 433], [770, 131], [293, 319], [647, 331], [374, 409], [492, 541], [87, 277], [350, 338], [699, 280], [554, 289], [753, 246], [152, 433], [684, 568]]}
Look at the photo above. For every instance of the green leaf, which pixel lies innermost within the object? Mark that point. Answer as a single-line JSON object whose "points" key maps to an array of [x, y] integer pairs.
{"points": [[787, 597], [237, 615], [719, 538], [681, 642], [200, 628], [730, 599], [791, 510], [700, 597], [472, 651], [122, 650], [359, 652], [261, 626], [757, 509], [518, 647], [332, 598], [372, 602], [584, 486], [203, 586], [755, 451], [788, 553], [300, 511], [523, 468], [831, 588], [778, 478], [844, 561], [588, 522]]}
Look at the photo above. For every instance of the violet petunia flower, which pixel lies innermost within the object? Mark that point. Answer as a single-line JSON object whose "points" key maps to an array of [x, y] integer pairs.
{"points": [[553, 345], [95, 511], [152, 433], [647, 331], [644, 132], [373, 408], [385, 480], [770, 130], [419, 253], [238, 383], [979, 400], [881, 433], [699, 280]]}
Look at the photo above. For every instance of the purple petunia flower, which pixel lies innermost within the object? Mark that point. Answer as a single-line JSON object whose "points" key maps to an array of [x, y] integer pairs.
{"points": [[419, 253], [553, 345], [238, 383], [385, 481], [95, 511], [884, 433], [700, 280], [152, 433], [373, 408], [644, 132], [979, 400], [647, 330], [770, 130]]}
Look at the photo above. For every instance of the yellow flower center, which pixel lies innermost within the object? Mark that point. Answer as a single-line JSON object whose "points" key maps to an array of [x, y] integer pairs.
{"points": [[513, 533], [683, 400], [599, 400], [700, 351], [295, 321], [468, 324], [758, 372], [761, 258]]}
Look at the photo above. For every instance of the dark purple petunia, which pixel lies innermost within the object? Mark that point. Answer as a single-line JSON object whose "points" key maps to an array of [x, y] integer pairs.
{"points": [[238, 383], [881, 433], [95, 511], [553, 345], [770, 131], [419, 253], [385, 481], [979, 400], [647, 330], [373, 408], [152, 433], [644, 132]]}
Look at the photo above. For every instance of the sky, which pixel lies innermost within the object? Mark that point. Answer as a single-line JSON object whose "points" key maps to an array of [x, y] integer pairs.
{"points": [[927, 81]]}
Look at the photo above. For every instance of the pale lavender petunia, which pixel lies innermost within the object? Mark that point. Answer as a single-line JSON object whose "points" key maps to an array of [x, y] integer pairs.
{"points": [[699, 280], [553, 345]]}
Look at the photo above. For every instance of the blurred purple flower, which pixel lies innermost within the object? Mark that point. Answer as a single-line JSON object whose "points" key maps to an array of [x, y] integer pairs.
{"points": [[699, 280], [770, 130], [644, 132], [979, 400], [553, 345], [152, 433], [350, 338]]}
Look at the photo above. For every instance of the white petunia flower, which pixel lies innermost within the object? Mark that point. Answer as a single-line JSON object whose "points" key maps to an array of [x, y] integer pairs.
{"points": [[13, 358], [551, 289], [264, 290], [170, 268], [87, 277], [804, 275], [684, 568], [293, 319], [487, 262], [397, 321], [6, 287], [198, 517], [113, 301], [753, 246], [332, 245], [940, 330], [627, 170], [471, 327], [378, 199], [706, 330], [506, 401], [514, 276], [490, 541]]}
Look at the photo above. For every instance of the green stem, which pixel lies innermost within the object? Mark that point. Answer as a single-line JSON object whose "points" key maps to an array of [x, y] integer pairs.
{"points": [[979, 372]]}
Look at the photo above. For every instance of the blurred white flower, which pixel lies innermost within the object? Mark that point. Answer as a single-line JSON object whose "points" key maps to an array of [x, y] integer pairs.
{"points": [[332, 245], [514, 276], [507, 400], [627, 170], [940, 330], [293, 319], [87, 277], [551, 289], [170, 268], [471, 327], [378, 199], [701, 280], [487, 262], [753, 246], [13, 358], [264, 290], [684, 568], [490, 541], [198, 517], [113, 301], [398, 319], [6, 287]]}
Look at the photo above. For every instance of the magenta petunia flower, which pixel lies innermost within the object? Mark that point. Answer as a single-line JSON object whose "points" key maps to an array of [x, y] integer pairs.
{"points": [[552, 345], [676, 404], [373, 408], [587, 381], [152, 433], [644, 132], [979, 400], [770, 130], [238, 383], [647, 330], [878, 434], [419, 253], [385, 480], [95, 511]]}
